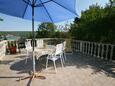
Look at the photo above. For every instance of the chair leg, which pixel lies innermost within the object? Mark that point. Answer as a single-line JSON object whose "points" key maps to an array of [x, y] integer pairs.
{"points": [[61, 62], [46, 63], [55, 66], [26, 58], [26, 61], [65, 56]]}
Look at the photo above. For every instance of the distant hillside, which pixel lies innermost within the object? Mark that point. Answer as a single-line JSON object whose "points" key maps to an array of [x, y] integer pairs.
{"points": [[16, 33]]}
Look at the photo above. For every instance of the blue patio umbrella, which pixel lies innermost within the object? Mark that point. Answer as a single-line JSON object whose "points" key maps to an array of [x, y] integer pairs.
{"points": [[39, 10]]}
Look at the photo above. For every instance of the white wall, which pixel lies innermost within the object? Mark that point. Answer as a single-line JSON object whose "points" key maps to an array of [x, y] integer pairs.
{"points": [[2, 49]]}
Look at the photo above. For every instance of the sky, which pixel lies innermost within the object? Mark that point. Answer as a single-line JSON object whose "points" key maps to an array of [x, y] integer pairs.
{"points": [[17, 24]]}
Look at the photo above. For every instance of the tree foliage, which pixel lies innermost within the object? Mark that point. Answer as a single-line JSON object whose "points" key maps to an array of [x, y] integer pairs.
{"points": [[49, 30], [95, 24], [46, 30]]}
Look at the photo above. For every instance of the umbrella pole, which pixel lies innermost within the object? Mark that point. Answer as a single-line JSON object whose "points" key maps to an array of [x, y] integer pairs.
{"points": [[33, 38], [34, 74]]}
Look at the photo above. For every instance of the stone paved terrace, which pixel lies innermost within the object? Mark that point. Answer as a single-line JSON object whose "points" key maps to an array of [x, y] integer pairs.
{"points": [[79, 70]]}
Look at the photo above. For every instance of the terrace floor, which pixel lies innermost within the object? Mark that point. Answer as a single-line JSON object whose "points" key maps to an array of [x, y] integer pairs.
{"points": [[79, 70]]}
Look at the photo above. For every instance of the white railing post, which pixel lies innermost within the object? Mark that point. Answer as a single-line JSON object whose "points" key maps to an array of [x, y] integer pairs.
{"points": [[98, 55], [111, 54], [89, 48], [102, 51], [92, 49], [81, 45], [85, 47], [76, 44], [106, 57], [94, 54]]}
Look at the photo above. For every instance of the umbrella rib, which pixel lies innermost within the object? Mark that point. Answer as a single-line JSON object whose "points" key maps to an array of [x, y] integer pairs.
{"points": [[25, 11], [64, 7], [35, 1], [47, 11], [27, 2], [43, 3]]}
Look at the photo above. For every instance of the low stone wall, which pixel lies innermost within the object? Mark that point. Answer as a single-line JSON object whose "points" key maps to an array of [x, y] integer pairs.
{"points": [[3, 45]]}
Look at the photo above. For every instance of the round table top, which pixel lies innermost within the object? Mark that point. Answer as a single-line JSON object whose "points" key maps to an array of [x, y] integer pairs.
{"points": [[43, 51]]}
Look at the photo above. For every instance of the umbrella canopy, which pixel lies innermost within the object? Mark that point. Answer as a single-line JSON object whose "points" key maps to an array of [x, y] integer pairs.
{"points": [[39, 10], [44, 10]]}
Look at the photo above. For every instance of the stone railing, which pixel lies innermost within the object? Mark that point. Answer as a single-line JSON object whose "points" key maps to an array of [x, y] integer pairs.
{"points": [[99, 50], [3, 45], [47, 40], [54, 41]]}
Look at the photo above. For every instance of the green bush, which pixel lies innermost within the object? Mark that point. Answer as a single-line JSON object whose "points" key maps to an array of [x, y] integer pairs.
{"points": [[96, 24]]}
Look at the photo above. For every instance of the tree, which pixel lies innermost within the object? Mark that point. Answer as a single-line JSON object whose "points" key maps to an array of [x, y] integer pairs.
{"points": [[49, 30], [46, 30], [95, 24], [111, 2]]}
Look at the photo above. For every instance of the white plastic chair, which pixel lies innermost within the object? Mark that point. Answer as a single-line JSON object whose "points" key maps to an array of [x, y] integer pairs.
{"points": [[55, 56], [40, 43], [64, 53], [28, 50]]}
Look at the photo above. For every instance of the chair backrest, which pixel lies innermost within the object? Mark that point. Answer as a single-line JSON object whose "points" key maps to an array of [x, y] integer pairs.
{"points": [[28, 45], [40, 43], [59, 49], [64, 45]]}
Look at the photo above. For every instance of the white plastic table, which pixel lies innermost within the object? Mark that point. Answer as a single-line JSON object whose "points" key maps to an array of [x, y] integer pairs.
{"points": [[43, 51]]}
